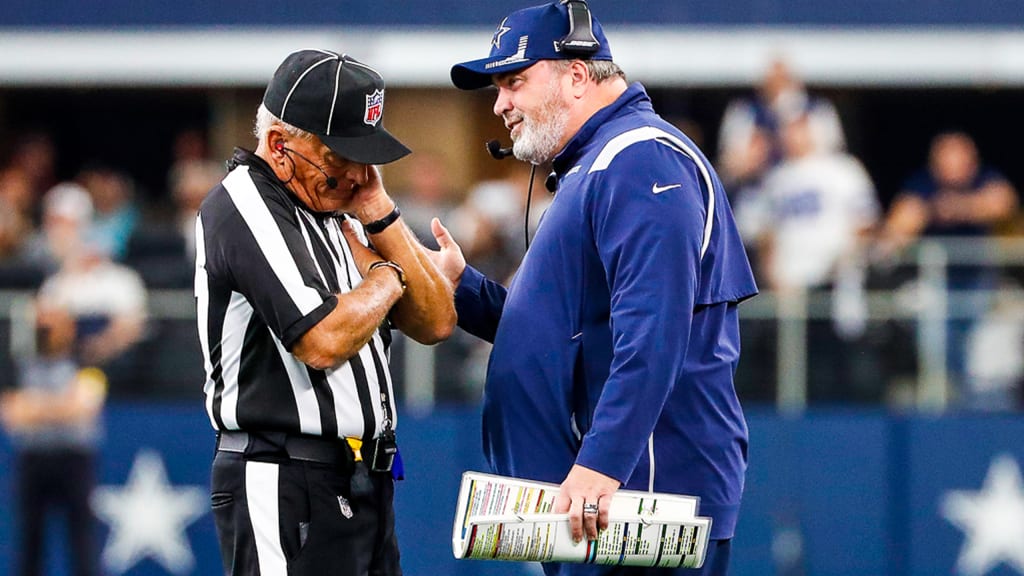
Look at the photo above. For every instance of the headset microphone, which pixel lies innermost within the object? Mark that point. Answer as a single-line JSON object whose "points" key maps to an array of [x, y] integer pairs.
{"points": [[330, 181], [496, 151]]}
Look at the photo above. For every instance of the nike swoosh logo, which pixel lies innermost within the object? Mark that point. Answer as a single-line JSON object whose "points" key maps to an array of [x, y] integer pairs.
{"points": [[659, 189]]}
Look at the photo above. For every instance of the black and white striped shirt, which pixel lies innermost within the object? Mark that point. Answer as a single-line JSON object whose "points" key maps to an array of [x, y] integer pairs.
{"points": [[267, 270]]}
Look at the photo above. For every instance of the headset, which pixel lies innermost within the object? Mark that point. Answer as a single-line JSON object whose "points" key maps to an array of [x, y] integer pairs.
{"points": [[330, 181], [580, 40]]}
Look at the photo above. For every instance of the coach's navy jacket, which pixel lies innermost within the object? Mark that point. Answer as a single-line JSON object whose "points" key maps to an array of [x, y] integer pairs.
{"points": [[616, 343]]}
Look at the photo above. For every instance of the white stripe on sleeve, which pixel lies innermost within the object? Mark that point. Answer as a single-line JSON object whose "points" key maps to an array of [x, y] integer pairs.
{"points": [[627, 139]]}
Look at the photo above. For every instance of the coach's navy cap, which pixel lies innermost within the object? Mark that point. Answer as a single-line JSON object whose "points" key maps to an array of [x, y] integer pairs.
{"points": [[529, 35], [337, 98]]}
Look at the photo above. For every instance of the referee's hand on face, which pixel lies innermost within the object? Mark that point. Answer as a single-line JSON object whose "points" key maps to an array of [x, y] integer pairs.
{"points": [[370, 201]]}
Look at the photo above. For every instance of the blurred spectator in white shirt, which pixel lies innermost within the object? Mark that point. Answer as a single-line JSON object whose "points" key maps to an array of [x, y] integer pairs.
{"points": [[820, 208], [67, 218], [107, 300], [492, 219]]}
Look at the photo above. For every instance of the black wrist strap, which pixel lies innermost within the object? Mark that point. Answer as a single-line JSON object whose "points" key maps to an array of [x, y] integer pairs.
{"points": [[378, 226]]}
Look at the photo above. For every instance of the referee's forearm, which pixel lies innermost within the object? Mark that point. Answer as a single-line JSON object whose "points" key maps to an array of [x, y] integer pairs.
{"points": [[426, 312], [353, 322]]}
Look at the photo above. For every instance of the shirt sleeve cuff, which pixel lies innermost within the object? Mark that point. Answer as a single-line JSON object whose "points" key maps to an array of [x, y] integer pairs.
{"points": [[296, 330]]}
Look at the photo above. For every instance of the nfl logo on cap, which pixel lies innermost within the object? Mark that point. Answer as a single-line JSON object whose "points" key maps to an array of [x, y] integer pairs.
{"points": [[374, 107]]}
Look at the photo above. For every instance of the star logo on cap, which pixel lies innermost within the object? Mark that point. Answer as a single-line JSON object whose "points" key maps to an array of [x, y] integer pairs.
{"points": [[502, 29]]}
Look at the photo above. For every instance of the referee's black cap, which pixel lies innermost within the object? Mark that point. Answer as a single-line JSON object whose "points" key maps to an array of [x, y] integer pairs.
{"points": [[339, 99]]}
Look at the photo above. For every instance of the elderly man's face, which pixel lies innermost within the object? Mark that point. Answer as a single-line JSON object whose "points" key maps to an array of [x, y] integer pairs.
{"points": [[310, 179]]}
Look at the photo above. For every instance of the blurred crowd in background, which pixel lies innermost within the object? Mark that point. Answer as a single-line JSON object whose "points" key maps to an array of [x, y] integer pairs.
{"points": [[810, 213]]}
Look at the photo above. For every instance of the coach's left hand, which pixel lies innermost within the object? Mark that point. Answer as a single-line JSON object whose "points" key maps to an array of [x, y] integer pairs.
{"points": [[586, 486], [448, 258]]}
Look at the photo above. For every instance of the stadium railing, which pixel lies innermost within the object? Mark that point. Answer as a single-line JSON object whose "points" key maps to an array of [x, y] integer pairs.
{"points": [[907, 309]]}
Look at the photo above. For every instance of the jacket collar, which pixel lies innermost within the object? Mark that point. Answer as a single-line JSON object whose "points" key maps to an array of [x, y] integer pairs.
{"points": [[634, 96]]}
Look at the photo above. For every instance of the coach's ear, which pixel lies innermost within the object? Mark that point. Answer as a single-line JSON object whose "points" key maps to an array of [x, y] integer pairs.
{"points": [[579, 75]]}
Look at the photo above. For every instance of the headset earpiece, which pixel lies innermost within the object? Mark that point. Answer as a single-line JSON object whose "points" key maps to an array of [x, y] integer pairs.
{"points": [[279, 146], [580, 40]]}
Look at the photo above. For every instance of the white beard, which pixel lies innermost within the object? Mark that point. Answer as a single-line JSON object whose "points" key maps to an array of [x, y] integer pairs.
{"points": [[540, 134]]}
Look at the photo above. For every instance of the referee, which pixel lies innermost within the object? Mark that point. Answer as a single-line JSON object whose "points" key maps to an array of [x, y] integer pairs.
{"points": [[302, 261]]}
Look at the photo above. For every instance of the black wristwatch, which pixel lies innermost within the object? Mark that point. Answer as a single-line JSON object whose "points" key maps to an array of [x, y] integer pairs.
{"points": [[378, 226]]}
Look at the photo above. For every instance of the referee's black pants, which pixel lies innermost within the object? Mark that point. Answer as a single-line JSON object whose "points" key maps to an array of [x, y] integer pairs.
{"points": [[56, 481], [299, 518]]}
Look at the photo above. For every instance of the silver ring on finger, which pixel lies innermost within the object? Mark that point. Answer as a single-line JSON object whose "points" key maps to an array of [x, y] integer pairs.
{"points": [[590, 508]]}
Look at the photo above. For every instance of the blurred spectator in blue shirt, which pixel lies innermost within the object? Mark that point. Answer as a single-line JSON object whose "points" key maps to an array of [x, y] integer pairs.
{"points": [[749, 139], [115, 215], [956, 196], [53, 419]]}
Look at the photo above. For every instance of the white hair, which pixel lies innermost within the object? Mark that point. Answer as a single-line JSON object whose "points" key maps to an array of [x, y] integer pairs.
{"points": [[600, 70], [265, 119]]}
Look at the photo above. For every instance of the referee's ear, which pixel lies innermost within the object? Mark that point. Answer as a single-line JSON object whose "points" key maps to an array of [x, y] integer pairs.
{"points": [[274, 143]]}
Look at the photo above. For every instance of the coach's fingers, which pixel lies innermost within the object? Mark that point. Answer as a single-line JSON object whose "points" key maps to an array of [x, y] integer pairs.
{"points": [[604, 516], [591, 514], [449, 259], [576, 519]]}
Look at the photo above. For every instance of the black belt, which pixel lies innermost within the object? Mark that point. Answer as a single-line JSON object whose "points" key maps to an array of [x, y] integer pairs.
{"points": [[308, 448], [334, 451]]}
